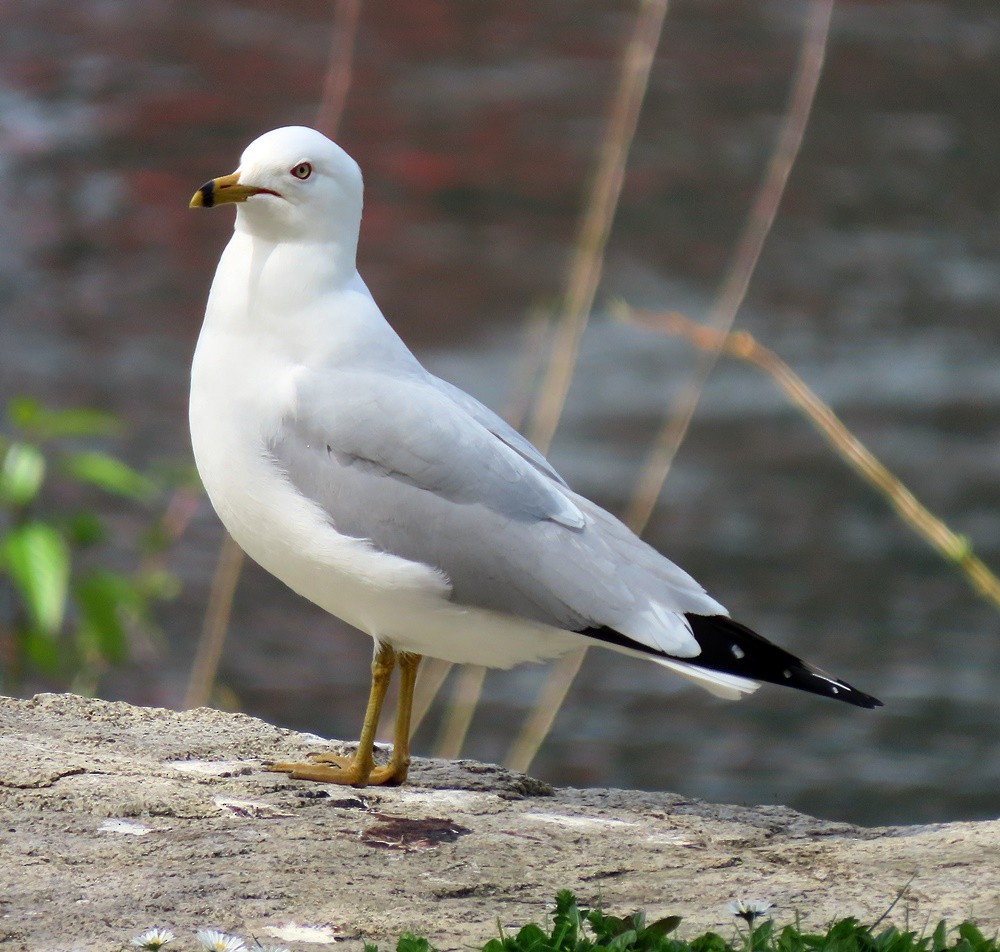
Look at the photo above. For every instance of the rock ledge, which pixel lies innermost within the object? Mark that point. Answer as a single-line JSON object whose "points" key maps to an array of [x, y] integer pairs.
{"points": [[118, 818]]}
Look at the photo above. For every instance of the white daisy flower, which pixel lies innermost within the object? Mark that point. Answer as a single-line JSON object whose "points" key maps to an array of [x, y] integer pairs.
{"points": [[215, 941], [749, 909], [153, 939]]}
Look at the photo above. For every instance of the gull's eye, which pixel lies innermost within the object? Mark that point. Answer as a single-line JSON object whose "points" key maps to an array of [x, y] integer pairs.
{"points": [[303, 170]]}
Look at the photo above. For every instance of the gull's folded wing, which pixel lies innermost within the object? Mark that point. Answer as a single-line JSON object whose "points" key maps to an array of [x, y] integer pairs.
{"points": [[399, 462]]}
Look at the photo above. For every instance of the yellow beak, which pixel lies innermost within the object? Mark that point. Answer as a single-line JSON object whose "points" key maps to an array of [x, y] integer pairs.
{"points": [[222, 191]]}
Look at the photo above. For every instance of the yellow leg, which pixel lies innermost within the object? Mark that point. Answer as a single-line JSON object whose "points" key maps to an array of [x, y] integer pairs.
{"points": [[399, 764], [353, 771], [359, 770]]}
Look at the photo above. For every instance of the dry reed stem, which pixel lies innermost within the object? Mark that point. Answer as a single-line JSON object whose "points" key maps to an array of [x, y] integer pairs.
{"points": [[174, 522], [341, 67], [951, 546], [723, 314], [734, 287], [433, 672], [230, 560], [584, 277], [461, 707], [213, 631], [588, 259]]}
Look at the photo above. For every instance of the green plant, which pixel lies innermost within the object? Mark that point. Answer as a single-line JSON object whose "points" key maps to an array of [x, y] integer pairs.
{"points": [[578, 929], [67, 607]]}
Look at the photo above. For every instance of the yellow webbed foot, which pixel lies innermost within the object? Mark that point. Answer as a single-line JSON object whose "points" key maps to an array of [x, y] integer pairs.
{"points": [[360, 770], [347, 771], [343, 771]]}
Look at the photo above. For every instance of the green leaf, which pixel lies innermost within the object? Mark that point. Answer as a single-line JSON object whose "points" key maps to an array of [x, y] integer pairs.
{"points": [[611, 926], [412, 943], [663, 926], [21, 474], [84, 529], [37, 559], [108, 473], [623, 941], [709, 942], [23, 412], [154, 538], [791, 940], [28, 414], [157, 585], [178, 476], [104, 598], [531, 937], [42, 651], [972, 935], [630, 935]]}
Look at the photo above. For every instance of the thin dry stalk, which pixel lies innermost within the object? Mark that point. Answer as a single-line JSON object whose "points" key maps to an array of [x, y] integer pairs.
{"points": [[539, 722], [588, 259], [723, 314], [230, 560], [432, 676], [216, 622], [536, 348], [748, 249], [461, 707], [176, 518], [951, 546], [341, 67], [584, 277], [180, 511]]}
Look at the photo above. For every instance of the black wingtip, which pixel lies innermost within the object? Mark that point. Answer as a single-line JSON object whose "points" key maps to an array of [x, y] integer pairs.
{"points": [[728, 646], [732, 648]]}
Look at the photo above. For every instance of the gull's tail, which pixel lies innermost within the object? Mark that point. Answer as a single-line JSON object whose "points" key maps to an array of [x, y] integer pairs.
{"points": [[733, 659], [732, 648]]}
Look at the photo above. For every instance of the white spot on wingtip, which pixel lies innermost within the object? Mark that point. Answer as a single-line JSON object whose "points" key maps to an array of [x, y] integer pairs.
{"points": [[833, 682], [738, 652]]}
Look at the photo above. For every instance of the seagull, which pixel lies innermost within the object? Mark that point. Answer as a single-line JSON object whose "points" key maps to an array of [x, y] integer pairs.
{"points": [[396, 501]]}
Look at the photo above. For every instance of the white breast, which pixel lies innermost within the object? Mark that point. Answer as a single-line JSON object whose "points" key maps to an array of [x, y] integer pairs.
{"points": [[243, 385]]}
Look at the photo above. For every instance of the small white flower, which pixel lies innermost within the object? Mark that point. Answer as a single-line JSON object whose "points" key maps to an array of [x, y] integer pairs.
{"points": [[215, 941], [153, 939], [257, 947], [748, 909]]}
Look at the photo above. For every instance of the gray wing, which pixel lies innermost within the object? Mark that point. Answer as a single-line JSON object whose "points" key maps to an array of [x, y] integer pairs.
{"points": [[401, 429], [499, 427], [401, 463]]}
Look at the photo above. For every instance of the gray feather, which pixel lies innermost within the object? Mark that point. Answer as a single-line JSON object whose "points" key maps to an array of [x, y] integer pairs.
{"points": [[428, 478], [499, 427]]}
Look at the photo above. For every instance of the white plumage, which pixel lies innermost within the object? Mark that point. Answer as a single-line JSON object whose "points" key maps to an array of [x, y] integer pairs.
{"points": [[383, 494]]}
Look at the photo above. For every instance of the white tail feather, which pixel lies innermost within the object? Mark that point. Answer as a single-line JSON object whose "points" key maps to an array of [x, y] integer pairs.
{"points": [[729, 686]]}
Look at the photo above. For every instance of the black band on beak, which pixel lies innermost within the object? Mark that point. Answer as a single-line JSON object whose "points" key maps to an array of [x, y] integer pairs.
{"points": [[207, 194]]}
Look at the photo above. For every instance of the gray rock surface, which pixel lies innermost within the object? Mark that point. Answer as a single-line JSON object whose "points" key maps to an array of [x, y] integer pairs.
{"points": [[115, 818]]}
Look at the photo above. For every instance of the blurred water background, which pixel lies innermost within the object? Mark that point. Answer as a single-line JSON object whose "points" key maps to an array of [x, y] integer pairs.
{"points": [[476, 125]]}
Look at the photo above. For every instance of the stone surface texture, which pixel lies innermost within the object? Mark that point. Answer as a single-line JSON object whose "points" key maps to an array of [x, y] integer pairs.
{"points": [[114, 819]]}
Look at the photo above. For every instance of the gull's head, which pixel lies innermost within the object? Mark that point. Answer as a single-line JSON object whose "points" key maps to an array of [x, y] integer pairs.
{"points": [[293, 184]]}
